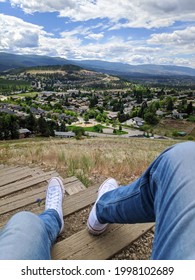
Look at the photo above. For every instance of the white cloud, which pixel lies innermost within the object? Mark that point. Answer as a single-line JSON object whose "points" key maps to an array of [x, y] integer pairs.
{"points": [[176, 47], [16, 33], [85, 32], [178, 37], [94, 36], [43, 6], [19, 36], [22, 37], [137, 13]]}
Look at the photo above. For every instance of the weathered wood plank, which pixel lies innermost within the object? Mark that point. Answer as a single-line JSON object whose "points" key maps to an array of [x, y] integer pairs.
{"points": [[24, 184], [75, 202], [22, 203], [83, 246], [8, 169], [19, 170], [29, 197], [16, 176], [70, 182], [20, 197], [72, 203], [75, 188]]}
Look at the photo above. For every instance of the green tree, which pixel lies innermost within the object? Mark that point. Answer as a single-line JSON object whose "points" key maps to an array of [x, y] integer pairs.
{"points": [[97, 128], [63, 127], [9, 126], [93, 101], [5, 122], [189, 109], [169, 104], [14, 127], [150, 118], [99, 117], [79, 131], [86, 117], [31, 123], [43, 127]]}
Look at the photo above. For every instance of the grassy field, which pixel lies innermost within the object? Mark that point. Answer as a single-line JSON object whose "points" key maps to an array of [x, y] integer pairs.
{"points": [[25, 94], [44, 71], [168, 126], [91, 160]]}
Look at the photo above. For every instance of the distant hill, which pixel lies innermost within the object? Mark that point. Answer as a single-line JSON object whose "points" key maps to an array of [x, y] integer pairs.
{"points": [[143, 69], [12, 61]]}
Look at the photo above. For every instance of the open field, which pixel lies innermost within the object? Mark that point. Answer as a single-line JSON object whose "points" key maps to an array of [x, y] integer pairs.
{"points": [[168, 126], [25, 94], [42, 71], [91, 160]]}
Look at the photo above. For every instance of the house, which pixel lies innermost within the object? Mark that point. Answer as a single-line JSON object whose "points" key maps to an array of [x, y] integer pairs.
{"points": [[7, 111], [3, 98], [128, 122], [113, 115], [24, 133], [138, 121], [127, 109], [83, 109], [61, 134], [36, 111], [176, 115], [160, 113], [73, 92]]}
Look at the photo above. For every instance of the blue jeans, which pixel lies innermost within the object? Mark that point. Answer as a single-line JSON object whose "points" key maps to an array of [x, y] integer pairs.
{"points": [[164, 194], [29, 237]]}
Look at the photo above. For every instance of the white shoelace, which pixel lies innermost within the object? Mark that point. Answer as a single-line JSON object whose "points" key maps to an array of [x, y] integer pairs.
{"points": [[53, 198]]}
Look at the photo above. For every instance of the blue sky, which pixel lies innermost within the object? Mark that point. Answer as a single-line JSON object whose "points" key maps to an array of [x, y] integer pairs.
{"points": [[128, 31]]}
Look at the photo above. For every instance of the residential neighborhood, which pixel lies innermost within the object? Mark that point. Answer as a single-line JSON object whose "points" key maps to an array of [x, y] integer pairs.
{"points": [[77, 97]]}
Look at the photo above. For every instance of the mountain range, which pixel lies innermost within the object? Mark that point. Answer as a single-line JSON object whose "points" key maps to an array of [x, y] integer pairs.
{"points": [[12, 61]]}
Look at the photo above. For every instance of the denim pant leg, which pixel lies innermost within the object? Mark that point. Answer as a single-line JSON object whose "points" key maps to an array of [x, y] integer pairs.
{"points": [[165, 193], [29, 237]]}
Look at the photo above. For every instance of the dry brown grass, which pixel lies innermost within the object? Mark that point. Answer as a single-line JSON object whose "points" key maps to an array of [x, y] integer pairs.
{"points": [[39, 71], [91, 160]]}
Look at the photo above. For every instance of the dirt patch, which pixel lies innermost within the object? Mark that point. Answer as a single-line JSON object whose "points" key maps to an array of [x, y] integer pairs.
{"points": [[178, 125], [141, 249]]}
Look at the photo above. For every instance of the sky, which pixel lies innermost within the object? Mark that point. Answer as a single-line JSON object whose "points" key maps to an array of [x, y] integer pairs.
{"points": [[128, 31]]}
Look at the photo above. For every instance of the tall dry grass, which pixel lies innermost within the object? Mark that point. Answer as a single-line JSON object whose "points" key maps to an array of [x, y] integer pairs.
{"points": [[91, 160]]}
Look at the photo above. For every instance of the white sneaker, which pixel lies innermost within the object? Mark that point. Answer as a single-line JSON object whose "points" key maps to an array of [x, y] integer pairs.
{"points": [[55, 196], [93, 225]]}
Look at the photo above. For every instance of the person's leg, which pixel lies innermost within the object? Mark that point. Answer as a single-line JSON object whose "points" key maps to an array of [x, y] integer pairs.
{"points": [[28, 236], [165, 193]]}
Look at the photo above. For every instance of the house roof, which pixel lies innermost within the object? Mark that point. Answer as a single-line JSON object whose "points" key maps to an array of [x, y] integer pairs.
{"points": [[8, 111], [60, 133], [24, 130], [137, 119]]}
